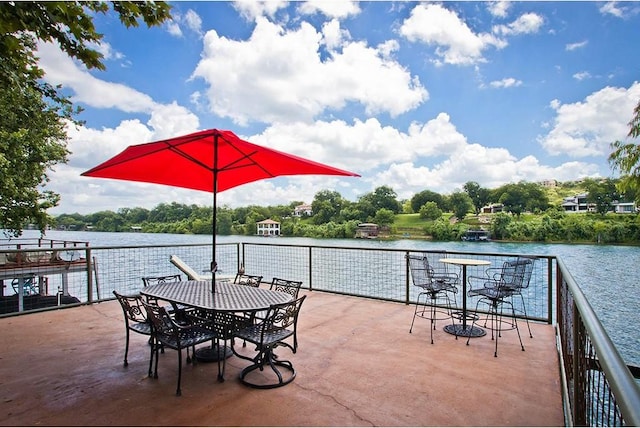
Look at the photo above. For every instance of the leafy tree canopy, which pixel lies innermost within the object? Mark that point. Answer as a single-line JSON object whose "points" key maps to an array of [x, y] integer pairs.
{"points": [[382, 197], [33, 125], [421, 198], [626, 158]]}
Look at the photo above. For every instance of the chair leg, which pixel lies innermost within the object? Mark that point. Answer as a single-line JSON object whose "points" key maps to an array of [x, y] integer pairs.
{"points": [[524, 310], [222, 361], [178, 391], [152, 350], [515, 320], [415, 312], [126, 350]]}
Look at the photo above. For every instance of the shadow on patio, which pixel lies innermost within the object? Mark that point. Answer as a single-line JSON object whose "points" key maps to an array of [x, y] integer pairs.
{"points": [[357, 365]]}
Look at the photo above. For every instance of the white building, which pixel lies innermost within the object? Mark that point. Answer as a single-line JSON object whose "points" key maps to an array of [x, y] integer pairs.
{"points": [[268, 227], [577, 204], [304, 209]]}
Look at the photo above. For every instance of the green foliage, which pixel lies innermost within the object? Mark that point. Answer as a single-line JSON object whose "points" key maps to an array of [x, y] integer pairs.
{"points": [[626, 158], [384, 217], [520, 197], [327, 205], [421, 198], [35, 115], [442, 230], [430, 211], [461, 204], [479, 195], [381, 197], [552, 225]]}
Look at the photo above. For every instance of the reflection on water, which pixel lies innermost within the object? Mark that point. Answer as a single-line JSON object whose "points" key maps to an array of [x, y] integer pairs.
{"points": [[608, 275]]}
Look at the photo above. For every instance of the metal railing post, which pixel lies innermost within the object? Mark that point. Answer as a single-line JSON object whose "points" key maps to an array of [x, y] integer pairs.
{"points": [[406, 277], [310, 269], [550, 261], [89, 275]]}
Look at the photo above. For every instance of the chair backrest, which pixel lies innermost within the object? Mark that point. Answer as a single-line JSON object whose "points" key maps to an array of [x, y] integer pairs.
{"points": [[186, 269], [286, 286], [161, 323], [153, 280], [283, 316], [132, 307], [421, 272], [250, 280], [516, 274]]}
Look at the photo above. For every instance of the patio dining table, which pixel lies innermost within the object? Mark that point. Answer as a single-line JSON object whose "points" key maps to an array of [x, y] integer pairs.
{"points": [[464, 329], [228, 297]]}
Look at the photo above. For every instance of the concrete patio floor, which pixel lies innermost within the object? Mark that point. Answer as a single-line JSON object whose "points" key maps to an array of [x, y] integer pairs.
{"points": [[357, 365]]}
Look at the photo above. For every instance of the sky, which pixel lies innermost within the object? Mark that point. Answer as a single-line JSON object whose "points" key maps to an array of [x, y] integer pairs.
{"points": [[410, 95]]}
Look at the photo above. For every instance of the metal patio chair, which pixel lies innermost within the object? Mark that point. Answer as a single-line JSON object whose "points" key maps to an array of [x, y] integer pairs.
{"points": [[172, 308], [135, 318], [250, 280], [280, 324], [496, 290], [167, 332], [438, 289], [286, 286]]}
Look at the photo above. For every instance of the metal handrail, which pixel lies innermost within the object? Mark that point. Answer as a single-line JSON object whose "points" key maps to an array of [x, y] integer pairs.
{"points": [[618, 376]]}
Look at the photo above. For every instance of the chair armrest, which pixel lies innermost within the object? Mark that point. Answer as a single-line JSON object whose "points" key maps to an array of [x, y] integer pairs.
{"points": [[443, 275], [486, 281]]}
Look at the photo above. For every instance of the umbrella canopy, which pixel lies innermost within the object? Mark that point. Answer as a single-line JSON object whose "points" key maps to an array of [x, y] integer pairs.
{"points": [[211, 160]]}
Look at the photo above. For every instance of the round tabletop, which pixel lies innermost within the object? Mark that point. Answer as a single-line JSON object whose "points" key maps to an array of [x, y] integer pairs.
{"points": [[228, 297]]}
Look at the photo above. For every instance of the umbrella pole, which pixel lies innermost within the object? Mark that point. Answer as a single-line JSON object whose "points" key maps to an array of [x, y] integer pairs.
{"points": [[214, 264]]}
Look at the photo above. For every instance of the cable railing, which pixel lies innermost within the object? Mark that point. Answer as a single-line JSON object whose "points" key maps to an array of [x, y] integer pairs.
{"points": [[599, 388]]}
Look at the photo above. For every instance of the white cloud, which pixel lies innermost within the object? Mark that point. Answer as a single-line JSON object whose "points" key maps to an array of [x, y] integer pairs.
{"points": [[499, 9], [106, 50], [588, 128], [455, 42], [507, 82], [331, 9], [251, 9], [333, 35], [191, 20], [294, 82], [526, 24], [583, 75], [612, 8], [578, 45], [174, 28], [60, 69]]}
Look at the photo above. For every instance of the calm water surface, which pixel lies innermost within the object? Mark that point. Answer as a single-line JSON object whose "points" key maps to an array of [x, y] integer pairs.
{"points": [[608, 275]]}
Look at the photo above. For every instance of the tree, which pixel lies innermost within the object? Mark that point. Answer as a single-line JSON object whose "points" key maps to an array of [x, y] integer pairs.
{"points": [[419, 199], [461, 204], [35, 115], [520, 197], [383, 197], [626, 158], [384, 217], [601, 193], [326, 206], [479, 195], [430, 211]]}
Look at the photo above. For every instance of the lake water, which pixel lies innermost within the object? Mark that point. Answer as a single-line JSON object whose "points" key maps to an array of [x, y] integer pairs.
{"points": [[608, 275]]}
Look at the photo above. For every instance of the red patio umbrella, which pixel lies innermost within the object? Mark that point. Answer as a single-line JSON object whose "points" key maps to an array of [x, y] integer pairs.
{"points": [[211, 160]]}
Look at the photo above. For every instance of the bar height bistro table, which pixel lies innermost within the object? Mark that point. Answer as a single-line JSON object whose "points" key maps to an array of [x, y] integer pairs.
{"points": [[228, 297], [463, 329]]}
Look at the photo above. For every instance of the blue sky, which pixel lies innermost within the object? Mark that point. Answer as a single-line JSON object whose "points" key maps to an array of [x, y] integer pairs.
{"points": [[411, 95]]}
